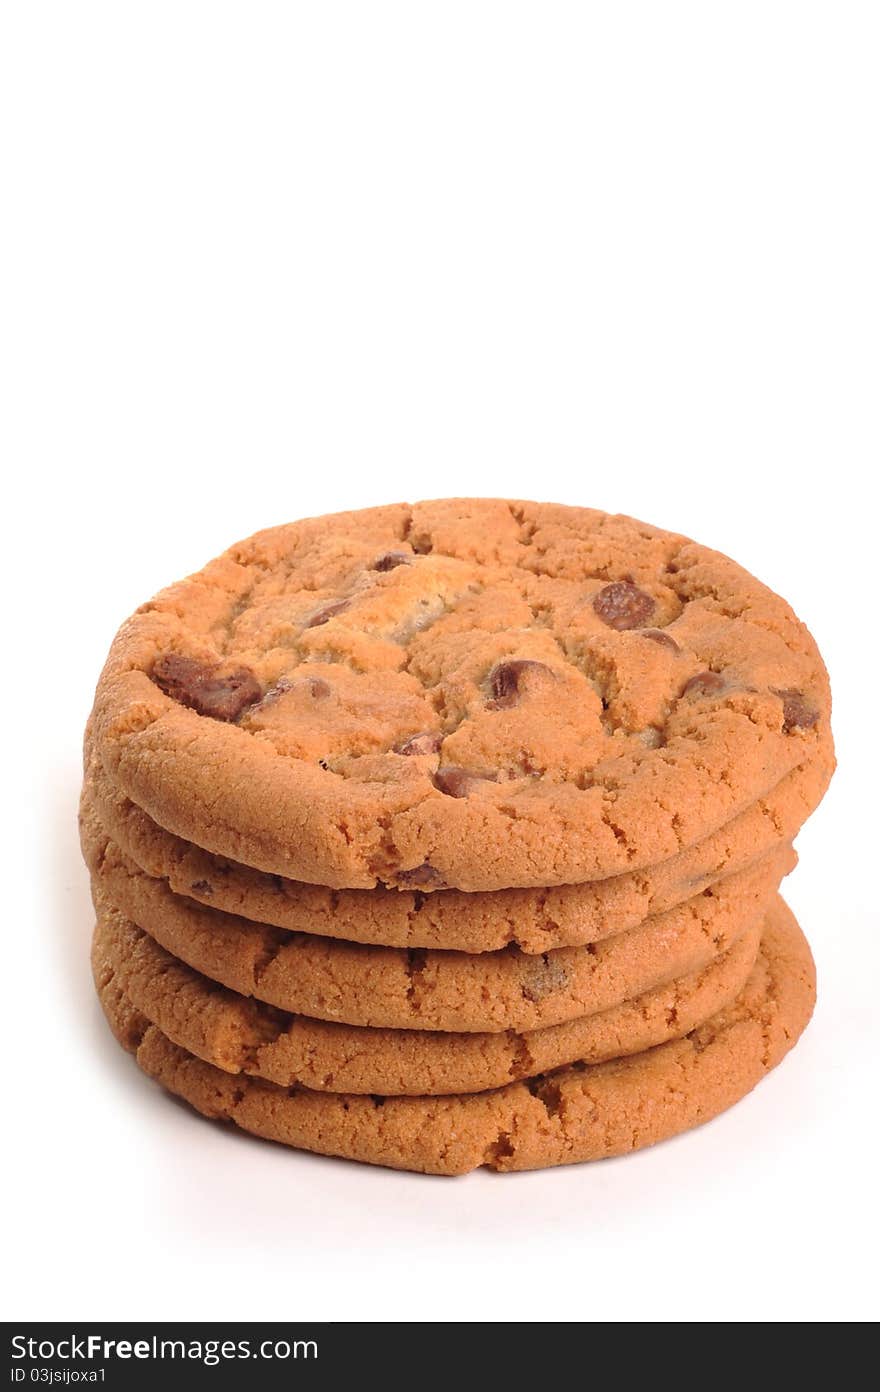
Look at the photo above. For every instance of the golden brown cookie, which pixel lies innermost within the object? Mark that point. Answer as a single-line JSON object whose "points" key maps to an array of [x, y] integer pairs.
{"points": [[535, 920], [396, 988], [465, 694], [241, 1035], [574, 1114]]}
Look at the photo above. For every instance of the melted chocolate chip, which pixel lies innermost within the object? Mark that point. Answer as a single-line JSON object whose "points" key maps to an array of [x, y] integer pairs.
{"points": [[327, 612], [422, 876], [661, 638], [391, 560], [623, 605], [203, 887], [797, 714], [428, 742], [455, 782], [508, 678], [704, 684], [205, 688]]}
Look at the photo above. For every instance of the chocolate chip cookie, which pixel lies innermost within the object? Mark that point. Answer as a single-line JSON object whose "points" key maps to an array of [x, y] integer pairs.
{"points": [[466, 694]]}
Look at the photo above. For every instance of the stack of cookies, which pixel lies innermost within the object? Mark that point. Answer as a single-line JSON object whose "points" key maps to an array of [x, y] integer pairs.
{"points": [[451, 835]]}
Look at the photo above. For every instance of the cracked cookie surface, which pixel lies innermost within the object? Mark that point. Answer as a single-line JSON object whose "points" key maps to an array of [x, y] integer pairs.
{"points": [[570, 1115], [465, 694], [396, 988], [241, 1035]]}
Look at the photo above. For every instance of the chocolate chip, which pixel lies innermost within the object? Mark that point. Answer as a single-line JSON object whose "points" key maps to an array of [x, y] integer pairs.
{"points": [[796, 713], [203, 887], [704, 684], [659, 636], [623, 605], [327, 612], [428, 742], [204, 687], [455, 782], [421, 876], [507, 679], [391, 560]]}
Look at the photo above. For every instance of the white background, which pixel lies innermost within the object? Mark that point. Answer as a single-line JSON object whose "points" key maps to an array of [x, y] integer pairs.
{"points": [[266, 260]]}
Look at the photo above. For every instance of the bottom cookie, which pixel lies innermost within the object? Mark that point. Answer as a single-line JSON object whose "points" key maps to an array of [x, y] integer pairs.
{"points": [[580, 1112]]}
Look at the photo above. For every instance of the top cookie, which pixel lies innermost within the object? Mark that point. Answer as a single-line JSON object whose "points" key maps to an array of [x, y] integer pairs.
{"points": [[465, 694]]}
